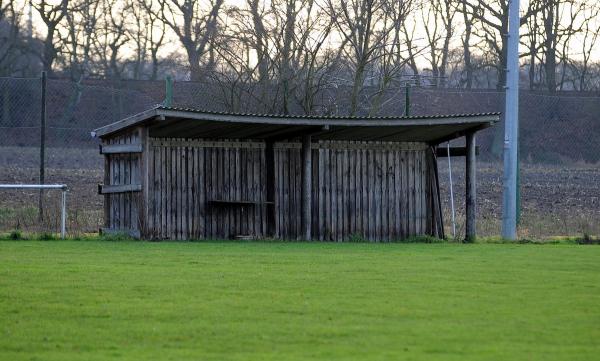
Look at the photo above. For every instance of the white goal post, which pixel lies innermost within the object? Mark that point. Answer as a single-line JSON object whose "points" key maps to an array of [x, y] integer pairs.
{"points": [[62, 187]]}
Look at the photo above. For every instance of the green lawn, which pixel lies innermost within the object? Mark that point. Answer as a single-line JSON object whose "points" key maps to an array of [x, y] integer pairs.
{"points": [[296, 301]]}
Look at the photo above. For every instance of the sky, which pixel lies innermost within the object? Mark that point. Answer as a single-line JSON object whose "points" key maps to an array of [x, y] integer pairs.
{"points": [[174, 46]]}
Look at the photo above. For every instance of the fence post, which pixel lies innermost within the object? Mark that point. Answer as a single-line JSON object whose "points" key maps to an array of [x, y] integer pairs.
{"points": [[63, 214], [168, 91], [42, 146]]}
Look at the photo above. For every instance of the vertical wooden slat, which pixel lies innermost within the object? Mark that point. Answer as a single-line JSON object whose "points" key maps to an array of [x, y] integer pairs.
{"points": [[226, 184], [258, 191], [364, 198], [172, 223], [354, 196], [270, 184], [285, 184], [345, 221], [278, 171], [321, 197], [243, 163], [190, 192], [327, 178], [397, 196], [253, 218], [107, 203], [306, 198], [377, 195], [178, 189], [411, 193], [335, 208], [125, 199], [158, 190], [224, 194], [423, 192], [419, 193], [214, 188], [145, 169], [133, 199], [384, 196], [367, 187], [201, 201], [315, 192], [172, 199], [120, 176], [164, 192]]}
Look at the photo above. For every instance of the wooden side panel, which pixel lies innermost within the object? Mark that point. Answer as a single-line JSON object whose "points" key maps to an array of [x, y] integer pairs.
{"points": [[122, 210]]}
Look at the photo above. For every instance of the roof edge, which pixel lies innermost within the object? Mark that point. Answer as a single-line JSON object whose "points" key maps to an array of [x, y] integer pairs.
{"points": [[125, 123], [349, 121]]}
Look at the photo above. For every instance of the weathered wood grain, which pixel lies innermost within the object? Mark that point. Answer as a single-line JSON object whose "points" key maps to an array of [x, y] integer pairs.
{"points": [[379, 191]]}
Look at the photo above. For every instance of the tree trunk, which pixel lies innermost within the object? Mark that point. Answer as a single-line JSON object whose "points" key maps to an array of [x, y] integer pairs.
{"points": [[466, 47], [549, 44], [49, 51], [194, 62]]}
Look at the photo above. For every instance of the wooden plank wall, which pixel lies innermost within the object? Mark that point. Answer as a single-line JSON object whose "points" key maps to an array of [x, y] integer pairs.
{"points": [[121, 209], [186, 175], [372, 191]]}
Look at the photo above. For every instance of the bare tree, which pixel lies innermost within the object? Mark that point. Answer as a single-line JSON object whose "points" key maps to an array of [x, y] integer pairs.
{"points": [[364, 24], [409, 29], [148, 33], [468, 17], [299, 31], [491, 18], [51, 15], [110, 37], [11, 42], [82, 18], [195, 23], [590, 35], [312, 63], [439, 31]]}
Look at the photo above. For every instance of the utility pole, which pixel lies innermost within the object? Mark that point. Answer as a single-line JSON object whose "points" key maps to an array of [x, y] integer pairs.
{"points": [[511, 125]]}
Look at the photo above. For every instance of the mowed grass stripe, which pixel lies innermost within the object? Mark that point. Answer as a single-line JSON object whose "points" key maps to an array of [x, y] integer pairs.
{"points": [[297, 301]]}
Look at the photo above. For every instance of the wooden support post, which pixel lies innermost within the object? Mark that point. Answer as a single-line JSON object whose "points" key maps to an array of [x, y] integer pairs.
{"points": [[306, 187], [471, 189], [270, 170]]}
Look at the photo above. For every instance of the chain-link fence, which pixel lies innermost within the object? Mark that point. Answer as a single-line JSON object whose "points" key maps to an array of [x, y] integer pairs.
{"points": [[559, 147]]}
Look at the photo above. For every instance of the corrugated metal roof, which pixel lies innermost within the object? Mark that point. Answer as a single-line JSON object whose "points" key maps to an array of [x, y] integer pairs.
{"points": [[338, 117], [172, 122]]}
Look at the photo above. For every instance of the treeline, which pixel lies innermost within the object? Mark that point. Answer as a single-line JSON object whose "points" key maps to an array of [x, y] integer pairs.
{"points": [[284, 52]]}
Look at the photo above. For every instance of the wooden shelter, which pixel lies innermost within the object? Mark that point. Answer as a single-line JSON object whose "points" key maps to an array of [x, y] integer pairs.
{"points": [[174, 173]]}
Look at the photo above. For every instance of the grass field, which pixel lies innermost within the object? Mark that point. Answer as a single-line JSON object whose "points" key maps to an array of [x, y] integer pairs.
{"points": [[296, 301]]}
